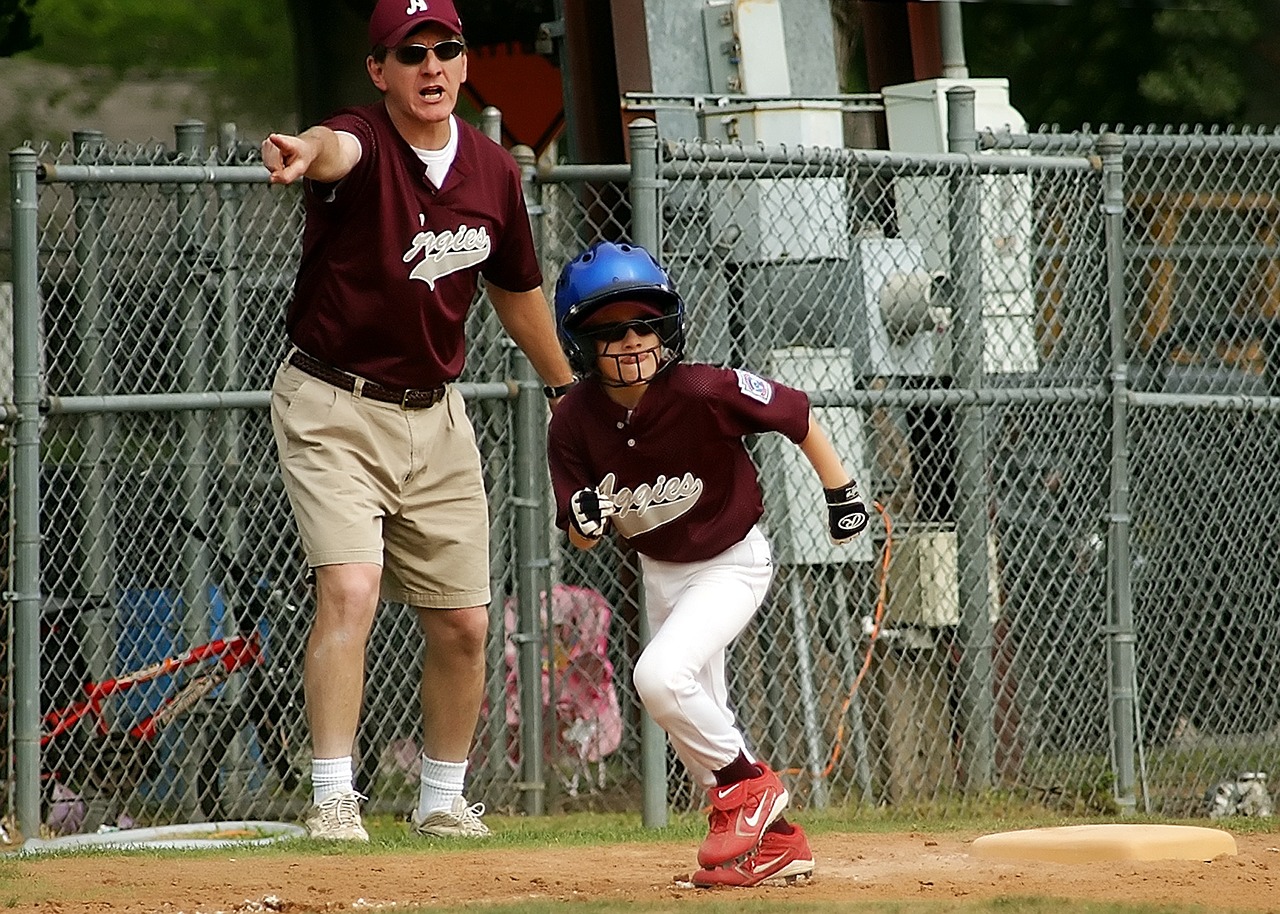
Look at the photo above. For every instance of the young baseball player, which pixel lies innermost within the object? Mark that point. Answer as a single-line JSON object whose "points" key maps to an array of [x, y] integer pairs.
{"points": [[653, 447]]}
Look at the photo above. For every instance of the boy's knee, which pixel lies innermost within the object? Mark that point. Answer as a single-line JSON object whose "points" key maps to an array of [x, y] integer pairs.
{"points": [[659, 687]]}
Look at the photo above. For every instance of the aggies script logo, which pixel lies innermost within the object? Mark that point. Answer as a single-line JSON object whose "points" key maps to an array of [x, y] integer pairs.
{"points": [[446, 252], [647, 507]]}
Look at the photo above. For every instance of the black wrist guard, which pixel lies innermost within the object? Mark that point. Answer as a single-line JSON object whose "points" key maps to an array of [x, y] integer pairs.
{"points": [[846, 514]]}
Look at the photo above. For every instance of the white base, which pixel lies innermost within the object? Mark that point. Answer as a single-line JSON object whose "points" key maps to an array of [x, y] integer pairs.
{"points": [[186, 836], [1103, 843]]}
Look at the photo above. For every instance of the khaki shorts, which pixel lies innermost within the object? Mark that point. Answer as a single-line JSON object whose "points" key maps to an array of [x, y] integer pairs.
{"points": [[400, 488]]}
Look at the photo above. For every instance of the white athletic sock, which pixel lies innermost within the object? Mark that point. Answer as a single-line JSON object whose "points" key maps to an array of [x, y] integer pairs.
{"points": [[441, 782], [330, 776]]}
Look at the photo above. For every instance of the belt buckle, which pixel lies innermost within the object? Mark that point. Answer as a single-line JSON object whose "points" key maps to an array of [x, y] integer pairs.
{"points": [[430, 397]]}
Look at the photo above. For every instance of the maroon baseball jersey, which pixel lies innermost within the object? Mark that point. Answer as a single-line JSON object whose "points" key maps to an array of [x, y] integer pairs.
{"points": [[676, 467], [390, 262]]}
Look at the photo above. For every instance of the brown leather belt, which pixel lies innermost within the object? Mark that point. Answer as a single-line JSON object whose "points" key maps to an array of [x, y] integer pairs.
{"points": [[406, 399]]}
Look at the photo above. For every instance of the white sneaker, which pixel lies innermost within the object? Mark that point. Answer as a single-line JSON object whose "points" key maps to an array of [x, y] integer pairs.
{"points": [[462, 821], [337, 818]]}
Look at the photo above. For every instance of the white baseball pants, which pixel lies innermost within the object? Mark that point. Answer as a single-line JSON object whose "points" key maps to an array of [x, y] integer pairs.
{"points": [[695, 610]]}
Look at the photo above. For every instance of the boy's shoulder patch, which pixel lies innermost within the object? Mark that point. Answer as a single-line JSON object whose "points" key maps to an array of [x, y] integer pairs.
{"points": [[754, 386]]}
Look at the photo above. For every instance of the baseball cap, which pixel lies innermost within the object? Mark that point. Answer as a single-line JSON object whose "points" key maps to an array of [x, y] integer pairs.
{"points": [[393, 20]]}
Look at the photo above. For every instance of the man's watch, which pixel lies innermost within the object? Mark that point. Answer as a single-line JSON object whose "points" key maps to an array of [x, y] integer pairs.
{"points": [[555, 392]]}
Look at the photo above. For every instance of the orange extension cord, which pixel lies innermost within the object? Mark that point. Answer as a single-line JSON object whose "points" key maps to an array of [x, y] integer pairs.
{"points": [[877, 619]]}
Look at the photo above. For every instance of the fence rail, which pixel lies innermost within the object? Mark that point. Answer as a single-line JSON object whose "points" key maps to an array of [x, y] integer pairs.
{"points": [[1053, 364]]}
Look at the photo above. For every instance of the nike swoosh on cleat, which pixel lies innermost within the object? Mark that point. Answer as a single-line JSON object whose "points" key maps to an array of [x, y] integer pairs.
{"points": [[758, 865], [725, 791], [754, 819]]}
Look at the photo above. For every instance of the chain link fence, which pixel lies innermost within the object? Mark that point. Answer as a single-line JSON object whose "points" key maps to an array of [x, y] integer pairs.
{"points": [[1050, 363]]}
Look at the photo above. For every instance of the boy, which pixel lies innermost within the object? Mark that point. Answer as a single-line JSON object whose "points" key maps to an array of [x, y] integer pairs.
{"points": [[653, 448]]}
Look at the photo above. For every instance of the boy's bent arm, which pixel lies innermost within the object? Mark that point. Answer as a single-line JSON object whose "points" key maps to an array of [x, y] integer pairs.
{"points": [[846, 513], [817, 447]]}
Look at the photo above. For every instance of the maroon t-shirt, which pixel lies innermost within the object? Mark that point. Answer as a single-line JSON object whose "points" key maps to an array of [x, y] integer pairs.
{"points": [[390, 263], [676, 466]]}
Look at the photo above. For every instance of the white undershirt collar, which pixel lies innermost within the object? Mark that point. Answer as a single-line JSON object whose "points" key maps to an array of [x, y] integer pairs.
{"points": [[439, 160]]}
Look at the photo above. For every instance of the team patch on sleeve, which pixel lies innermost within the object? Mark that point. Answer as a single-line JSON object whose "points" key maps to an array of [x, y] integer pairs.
{"points": [[754, 386]]}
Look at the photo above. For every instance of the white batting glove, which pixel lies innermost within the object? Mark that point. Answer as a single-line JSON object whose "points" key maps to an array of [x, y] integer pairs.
{"points": [[588, 513]]}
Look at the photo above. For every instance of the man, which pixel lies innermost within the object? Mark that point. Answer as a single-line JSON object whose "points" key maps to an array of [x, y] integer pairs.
{"points": [[407, 206]]}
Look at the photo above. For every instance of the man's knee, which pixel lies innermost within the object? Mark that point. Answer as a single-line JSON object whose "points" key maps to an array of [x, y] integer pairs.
{"points": [[347, 596], [460, 632]]}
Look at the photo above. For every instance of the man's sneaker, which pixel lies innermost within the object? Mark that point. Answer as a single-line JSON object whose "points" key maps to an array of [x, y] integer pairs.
{"points": [[337, 818], [740, 813], [779, 858], [462, 821]]}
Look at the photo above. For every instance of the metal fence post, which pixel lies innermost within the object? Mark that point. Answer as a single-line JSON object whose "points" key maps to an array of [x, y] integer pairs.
{"points": [[533, 553], [491, 124], [231, 347], [646, 231], [93, 324], [977, 702], [495, 730], [190, 237], [1121, 665], [26, 594]]}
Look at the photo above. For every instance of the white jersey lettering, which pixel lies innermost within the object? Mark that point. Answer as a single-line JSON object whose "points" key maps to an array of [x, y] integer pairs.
{"points": [[447, 252], [650, 505]]}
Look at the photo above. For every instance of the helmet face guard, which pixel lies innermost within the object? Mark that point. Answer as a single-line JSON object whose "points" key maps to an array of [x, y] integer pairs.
{"points": [[627, 367], [605, 273]]}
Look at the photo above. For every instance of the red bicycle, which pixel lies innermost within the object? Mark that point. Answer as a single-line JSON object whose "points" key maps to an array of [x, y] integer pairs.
{"points": [[227, 654], [98, 745]]}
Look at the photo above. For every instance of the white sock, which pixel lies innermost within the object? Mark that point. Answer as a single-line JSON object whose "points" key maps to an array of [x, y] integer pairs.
{"points": [[441, 782], [330, 776]]}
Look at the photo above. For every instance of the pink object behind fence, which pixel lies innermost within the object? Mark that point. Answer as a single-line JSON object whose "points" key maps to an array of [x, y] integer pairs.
{"points": [[577, 675]]}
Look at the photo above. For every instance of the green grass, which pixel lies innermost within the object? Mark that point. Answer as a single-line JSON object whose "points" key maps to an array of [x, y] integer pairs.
{"points": [[590, 829]]}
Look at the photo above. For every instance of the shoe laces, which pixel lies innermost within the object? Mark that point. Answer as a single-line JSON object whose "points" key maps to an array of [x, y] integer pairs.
{"points": [[471, 814], [342, 808]]}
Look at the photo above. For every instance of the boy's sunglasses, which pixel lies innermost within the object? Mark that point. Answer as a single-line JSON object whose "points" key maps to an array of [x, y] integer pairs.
{"points": [[616, 333], [412, 55]]}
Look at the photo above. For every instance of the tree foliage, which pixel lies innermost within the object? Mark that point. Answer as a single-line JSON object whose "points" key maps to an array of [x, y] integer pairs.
{"points": [[245, 47], [1099, 61], [1087, 61], [1076, 62], [261, 61], [1201, 66], [16, 34]]}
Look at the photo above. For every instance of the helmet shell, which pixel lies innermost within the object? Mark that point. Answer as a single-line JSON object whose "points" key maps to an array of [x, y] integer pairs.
{"points": [[606, 272]]}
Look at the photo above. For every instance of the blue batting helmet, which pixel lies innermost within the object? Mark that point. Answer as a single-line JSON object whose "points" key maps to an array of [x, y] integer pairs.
{"points": [[611, 271]]}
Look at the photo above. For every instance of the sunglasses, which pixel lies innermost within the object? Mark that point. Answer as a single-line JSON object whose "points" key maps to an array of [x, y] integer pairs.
{"points": [[616, 333], [412, 55]]}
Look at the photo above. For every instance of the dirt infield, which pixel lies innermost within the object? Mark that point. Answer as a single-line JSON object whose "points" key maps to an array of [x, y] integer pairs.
{"points": [[851, 868]]}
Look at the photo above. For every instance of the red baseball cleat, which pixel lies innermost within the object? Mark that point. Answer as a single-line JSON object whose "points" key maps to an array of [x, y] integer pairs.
{"points": [[740, 813], [780, 857]]}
